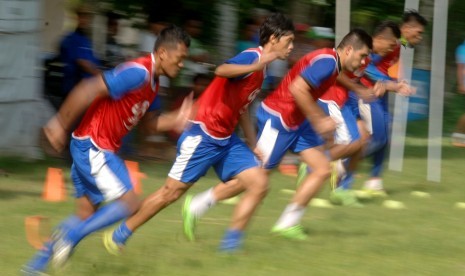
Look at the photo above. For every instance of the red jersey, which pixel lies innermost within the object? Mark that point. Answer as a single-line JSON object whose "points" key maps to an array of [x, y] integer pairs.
{"points": [[225, 99], [132, 89], [319, 68], [379, 66]]}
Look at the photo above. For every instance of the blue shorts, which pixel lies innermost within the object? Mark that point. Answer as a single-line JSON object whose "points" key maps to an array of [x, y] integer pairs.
{"points": [[98, 174], [275, 139], [197, 152], [346, 129], [352, 105]]}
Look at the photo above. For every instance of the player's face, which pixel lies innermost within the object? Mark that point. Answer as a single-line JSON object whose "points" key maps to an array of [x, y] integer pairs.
{"points": [[283, 45], [172, 60], [413, 32], [355, 58], [384, 43]]}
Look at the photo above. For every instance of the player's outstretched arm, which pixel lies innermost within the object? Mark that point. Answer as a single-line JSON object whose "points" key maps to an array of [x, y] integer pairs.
{"points": [[365, 93], [154, 122], [80, 98], [402, 87], [232, 70]]}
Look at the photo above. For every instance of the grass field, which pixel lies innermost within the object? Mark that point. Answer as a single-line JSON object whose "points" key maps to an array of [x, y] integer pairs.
{"points": [[426, 238]]}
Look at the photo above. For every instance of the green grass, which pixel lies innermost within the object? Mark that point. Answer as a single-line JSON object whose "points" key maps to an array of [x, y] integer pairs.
{"points": [[426, 238]]}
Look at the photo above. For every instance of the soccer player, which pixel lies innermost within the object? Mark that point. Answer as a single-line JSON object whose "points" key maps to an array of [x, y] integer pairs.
{"points": [[114, 102], [290, 119], [210, 141], [377, 116], [385, 37]]}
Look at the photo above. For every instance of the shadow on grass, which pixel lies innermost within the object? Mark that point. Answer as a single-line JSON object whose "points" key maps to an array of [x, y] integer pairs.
{"points": [[14, 165], [12, 194], [421, 151]]}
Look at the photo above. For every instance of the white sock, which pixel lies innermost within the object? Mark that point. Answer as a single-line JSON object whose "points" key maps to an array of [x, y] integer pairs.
{"points": [[202, 202], [291, 216]]}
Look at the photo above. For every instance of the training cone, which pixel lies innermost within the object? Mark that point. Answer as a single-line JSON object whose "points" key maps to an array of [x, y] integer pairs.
{"points": [[288, 169], [135, 175], [37, 230], [54, 188]]}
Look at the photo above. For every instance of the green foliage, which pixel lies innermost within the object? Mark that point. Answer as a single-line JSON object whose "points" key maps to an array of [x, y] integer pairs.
{"points": [[367, 13]]}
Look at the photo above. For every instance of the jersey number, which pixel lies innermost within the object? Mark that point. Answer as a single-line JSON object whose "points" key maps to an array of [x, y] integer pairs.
{"points": [[138, 110], [250, 99]]}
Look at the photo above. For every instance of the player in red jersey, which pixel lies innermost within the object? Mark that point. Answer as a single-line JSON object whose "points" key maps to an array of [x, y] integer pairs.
{"points": [[210, 140], [385, 39], [113, 102], [377, 117], [290, 119]]}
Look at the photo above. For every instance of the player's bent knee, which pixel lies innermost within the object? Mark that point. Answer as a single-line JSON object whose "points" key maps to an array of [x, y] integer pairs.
{"points": [[170, 192]]}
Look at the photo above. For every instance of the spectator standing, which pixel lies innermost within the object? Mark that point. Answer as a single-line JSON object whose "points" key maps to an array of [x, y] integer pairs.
{"points": [[76, 52]]}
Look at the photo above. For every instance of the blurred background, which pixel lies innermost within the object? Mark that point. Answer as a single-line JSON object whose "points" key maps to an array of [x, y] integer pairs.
{"points": [[33, 65]]}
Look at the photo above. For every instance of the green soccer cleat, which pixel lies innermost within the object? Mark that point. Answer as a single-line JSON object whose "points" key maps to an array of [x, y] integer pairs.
{"points": [[189, 220], [110, 245], [295, 232], [344, 198]]}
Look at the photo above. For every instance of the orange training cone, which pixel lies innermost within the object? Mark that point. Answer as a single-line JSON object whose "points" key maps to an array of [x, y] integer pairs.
{"points": [[135, 175], [37, 230], [288, 169], [54, 188]]}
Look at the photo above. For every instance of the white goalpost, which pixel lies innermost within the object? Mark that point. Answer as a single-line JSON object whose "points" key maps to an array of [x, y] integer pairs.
{"points": [[401, 104], [436, 100]]}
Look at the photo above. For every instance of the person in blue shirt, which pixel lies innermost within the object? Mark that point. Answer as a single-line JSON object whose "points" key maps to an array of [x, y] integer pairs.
{"points": [[76, 52]]}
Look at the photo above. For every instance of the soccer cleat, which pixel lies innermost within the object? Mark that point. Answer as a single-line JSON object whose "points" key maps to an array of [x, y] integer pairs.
{"points": [[232, 241], [39, 262], [62, 250], [295, 232], [189, 220], [29, 271], [375, 187], [344, 198], [110, 245]]}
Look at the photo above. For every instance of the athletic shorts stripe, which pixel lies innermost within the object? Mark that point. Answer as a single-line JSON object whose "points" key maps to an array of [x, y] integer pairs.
{"points": [[275, 139], [346, 128], [197, 151]]}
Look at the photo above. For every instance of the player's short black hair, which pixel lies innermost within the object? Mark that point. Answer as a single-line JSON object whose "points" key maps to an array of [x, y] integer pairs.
{"points": [[276, 24], [413, 15], [388, 24], [171, 36], [357, 38]]}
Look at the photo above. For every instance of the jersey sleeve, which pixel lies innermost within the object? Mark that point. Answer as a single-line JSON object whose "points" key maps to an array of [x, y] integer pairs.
{"points": [[460, 55], [125, 78], [316, 73], [374, 74], [243, 58]]}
